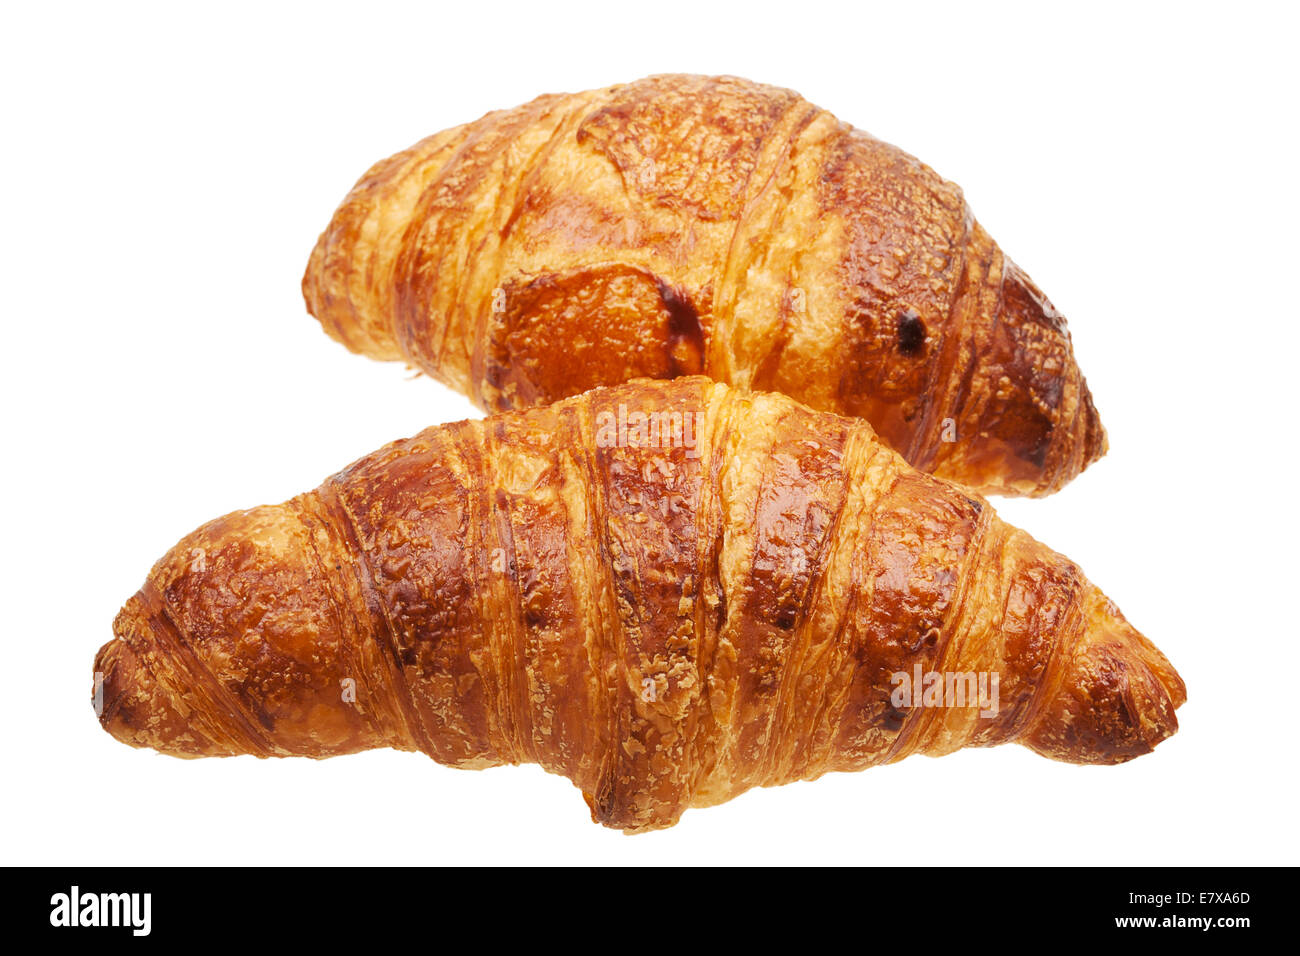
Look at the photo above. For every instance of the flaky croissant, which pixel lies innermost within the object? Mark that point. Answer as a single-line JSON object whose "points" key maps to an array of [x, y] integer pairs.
{"points": [[686, 224], [668, 592]]}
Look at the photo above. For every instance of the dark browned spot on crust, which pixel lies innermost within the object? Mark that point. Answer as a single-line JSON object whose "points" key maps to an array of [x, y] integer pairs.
{"points": [[785, 618], [911, 332], [893, 719], [685, 335]]}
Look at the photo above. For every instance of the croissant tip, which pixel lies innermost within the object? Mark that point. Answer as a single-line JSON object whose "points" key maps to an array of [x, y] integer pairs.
{"points": [[117, 667], [1117, 701], [133, 705]]}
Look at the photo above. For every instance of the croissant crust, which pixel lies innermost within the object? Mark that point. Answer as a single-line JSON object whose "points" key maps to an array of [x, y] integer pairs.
{"points": [[667, 591], [685, 224]]}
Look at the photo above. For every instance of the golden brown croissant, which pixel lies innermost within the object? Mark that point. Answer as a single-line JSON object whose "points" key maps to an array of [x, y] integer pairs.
{"points": [[686, 224], [668, 592]]}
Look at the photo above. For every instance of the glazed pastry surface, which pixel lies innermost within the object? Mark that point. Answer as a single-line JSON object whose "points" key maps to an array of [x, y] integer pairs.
{"points": [[667, 591], [685, 224]]}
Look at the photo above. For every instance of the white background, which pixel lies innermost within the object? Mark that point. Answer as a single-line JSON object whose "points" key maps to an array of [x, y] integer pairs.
{"points": [[166, 173]]}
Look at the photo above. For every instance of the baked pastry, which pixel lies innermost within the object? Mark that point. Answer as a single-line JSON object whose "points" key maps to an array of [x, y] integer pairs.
{"points": [[666, 591], [687, 224]]}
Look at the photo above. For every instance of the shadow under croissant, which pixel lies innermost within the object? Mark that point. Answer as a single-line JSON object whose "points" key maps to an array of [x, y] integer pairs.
{"points": [[666, 624]]}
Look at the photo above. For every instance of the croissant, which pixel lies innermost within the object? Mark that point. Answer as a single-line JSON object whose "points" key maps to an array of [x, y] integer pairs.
{"points": [[685, 224], [667, 591]]}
